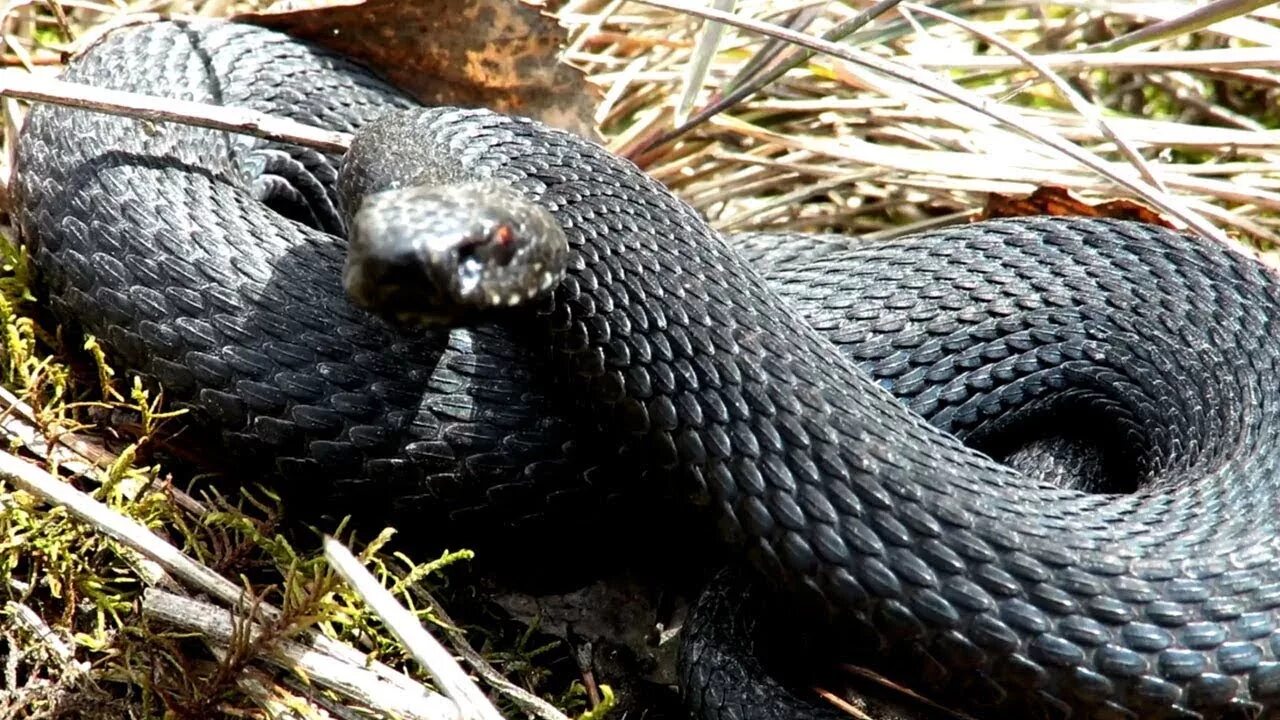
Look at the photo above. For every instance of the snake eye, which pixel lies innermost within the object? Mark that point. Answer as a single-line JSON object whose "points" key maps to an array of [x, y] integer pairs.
{"points": [[502, 243], [498, 244], [502, 235]]}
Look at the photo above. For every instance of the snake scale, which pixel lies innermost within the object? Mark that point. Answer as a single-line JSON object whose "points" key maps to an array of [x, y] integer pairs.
{"points": [[853, 418]]}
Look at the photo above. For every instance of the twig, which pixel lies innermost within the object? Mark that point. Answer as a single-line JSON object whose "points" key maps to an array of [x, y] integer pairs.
{"points": [[18, 84], [525, 699], [120, 528], [278, 702], [220, 625], [433, 657], [37, 626], [131, 534], [18, 423]]}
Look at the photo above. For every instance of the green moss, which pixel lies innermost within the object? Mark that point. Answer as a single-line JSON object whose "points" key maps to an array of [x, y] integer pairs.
{"points": [[88, 588]]}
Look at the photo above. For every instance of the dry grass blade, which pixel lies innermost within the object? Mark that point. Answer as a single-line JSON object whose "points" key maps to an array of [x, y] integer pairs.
{"points": [[222, 627], [758, 74], [959, 95], [531, 703], [425, 649], [1257, 28], [773, 50], [822, 105], [1199, 18], [1243, 58], [700, 61], [791, 137], [408, 696], [1082, 106]]}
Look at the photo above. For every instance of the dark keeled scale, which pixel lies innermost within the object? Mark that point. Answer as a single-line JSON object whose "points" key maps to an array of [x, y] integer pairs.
{"points": [[1142, 356]]}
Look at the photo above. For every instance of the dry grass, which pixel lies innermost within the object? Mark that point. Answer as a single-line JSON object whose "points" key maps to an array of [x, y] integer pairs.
{"points": [[834, 146], [1190, 119]]}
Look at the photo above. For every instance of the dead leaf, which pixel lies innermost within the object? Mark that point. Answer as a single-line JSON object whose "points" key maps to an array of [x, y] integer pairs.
{"points": [[503, 55], [1057, 200]]}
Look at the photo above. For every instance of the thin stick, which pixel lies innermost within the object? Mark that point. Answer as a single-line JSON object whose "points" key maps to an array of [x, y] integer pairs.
{"points": [[18, 424], [525, 699], [18, 84], [120, 528], [133, 535], [449, 676], [37, 626], [220, 626], [279, 702]]}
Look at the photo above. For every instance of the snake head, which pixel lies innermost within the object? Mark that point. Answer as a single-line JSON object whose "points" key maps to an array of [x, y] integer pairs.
{"points": [[438, 255]]}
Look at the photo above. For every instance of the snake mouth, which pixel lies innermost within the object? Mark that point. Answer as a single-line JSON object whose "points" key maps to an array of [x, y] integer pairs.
{"points": [[395, 287]]}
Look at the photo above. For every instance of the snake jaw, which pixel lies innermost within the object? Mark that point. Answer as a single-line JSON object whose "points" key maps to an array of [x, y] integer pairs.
{"points": [[428, 255]]}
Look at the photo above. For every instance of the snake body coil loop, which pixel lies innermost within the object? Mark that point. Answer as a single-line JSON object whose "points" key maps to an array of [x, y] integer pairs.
{"points": [[854, 416]]}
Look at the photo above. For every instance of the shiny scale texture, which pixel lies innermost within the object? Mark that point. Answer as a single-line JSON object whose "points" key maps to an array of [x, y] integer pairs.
{"points": [[841, 410]]}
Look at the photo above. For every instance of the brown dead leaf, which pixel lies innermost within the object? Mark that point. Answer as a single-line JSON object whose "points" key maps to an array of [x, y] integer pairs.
{"points": [[497, 54], [1057, 200]]}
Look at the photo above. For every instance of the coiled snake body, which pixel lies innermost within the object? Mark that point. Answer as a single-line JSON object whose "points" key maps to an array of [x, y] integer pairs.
{"points": [[845, 439]]}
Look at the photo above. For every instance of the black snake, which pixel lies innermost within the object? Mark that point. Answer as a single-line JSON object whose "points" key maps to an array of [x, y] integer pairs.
{"points": [[837, 409]]}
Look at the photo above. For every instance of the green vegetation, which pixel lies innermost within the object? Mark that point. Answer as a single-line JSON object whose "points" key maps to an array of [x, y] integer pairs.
{"points": [[829, 146]]}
